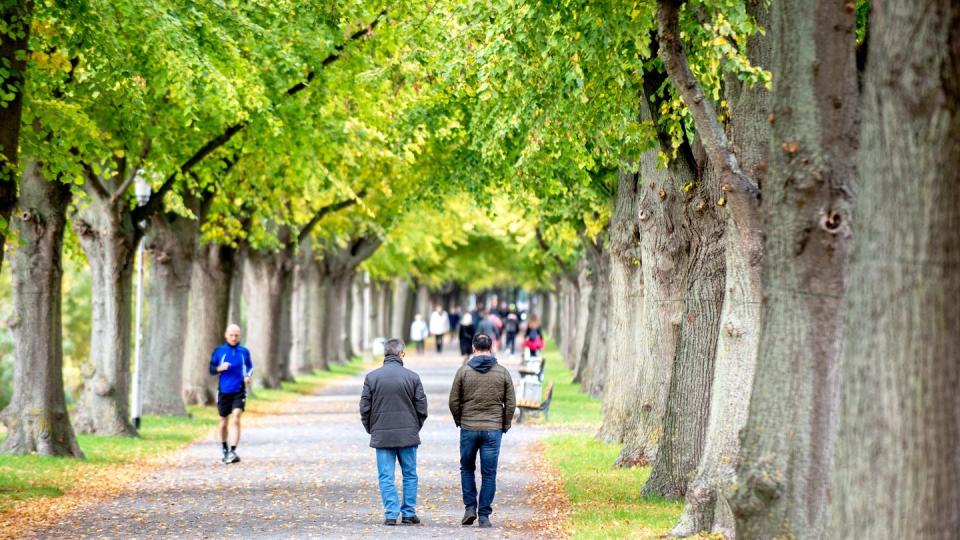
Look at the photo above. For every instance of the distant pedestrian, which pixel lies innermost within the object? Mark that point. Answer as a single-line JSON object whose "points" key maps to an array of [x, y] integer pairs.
{"points": [[439, 325], [486, 326], [534, 337], [393, 408], [466, 335], [482, 402], [232, 363], [454, 318], [418, 332], [510, 328]]}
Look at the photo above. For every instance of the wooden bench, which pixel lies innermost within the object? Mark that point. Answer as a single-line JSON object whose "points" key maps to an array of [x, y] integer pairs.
{"points": [[536, 406]]}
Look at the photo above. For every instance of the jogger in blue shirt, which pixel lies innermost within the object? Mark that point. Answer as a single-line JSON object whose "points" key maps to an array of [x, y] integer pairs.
{"points": [[231, 361]]}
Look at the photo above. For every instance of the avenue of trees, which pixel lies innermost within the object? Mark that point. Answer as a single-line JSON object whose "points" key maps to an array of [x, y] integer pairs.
{"points": [[742, 219]]}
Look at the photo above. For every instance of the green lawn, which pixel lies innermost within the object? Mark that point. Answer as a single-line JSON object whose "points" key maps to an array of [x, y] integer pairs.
{"points": [[605, 501], [26, 477]]}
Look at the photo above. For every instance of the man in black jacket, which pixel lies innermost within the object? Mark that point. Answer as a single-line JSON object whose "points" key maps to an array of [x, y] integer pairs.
{"points": [[393, 408]]}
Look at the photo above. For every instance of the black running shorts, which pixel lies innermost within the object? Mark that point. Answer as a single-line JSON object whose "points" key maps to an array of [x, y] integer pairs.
{"points": [[228, 401]]}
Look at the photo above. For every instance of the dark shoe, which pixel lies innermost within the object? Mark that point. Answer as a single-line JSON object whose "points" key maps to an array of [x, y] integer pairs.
{"points": [[232, 457], [390, 522], [485, 522], [410, 520], [224, 458], [469, 517]]}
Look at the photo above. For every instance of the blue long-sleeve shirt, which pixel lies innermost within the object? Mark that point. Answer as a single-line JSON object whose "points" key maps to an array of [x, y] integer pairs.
{"points": [[241, 366]]}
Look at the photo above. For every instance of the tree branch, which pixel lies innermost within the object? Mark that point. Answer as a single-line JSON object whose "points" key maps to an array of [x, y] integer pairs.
{"points": [[546, 249], [133, 172], [337, 52], [742, 191], [94, 181], [156, 200], [323, 212]]}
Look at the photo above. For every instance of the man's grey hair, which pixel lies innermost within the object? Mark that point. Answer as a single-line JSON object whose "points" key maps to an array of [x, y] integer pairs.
{"points": [[232, 326], [393, 347]]}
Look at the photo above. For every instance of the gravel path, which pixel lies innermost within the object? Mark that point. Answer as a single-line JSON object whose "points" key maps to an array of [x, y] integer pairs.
{"points": [[310, 473]]}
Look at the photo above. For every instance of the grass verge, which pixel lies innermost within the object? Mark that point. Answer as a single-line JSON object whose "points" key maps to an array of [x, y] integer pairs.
{"points": [[112, 461], [604, 500]]}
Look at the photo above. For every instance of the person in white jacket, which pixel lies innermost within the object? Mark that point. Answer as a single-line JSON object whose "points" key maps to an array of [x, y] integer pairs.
{"points": [[439, 325], [418, 332]]}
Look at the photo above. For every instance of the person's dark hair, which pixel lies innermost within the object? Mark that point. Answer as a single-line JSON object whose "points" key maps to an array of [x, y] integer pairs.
{"points": [[393, 347], [482, 342]]}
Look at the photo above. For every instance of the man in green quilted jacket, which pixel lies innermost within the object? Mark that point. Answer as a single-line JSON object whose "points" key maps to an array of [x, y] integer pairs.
{"points": [[482, 402]]}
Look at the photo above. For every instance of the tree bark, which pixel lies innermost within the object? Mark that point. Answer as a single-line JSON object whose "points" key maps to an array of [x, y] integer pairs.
{"points": [[687, 405], [707, 507], [337, 288], [897, 468], [36, 418], [671, 241], [107, 236], [263, 278], [210, 277], [590, 370], [401, 302], [357, 313], [785, 469], [285, 325], [567, 335], [626, 312], [235, 314], [170, 242], [13, 51], [301, 320]]}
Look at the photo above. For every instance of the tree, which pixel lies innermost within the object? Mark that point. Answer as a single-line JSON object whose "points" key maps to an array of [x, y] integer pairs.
{"points": [[17, 16], [895, 459], [37, 417], [785, 470]]}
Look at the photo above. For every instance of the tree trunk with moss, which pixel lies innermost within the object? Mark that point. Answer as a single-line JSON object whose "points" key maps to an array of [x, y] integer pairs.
{"points": [[36, 418], [897, 470]]}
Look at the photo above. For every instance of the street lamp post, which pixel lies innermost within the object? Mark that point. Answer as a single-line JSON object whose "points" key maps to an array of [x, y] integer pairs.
{"points": [[142, 190]]}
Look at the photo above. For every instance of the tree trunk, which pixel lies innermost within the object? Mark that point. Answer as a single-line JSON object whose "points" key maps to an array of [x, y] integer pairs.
{"points": [[337, 289], [107, 236], [235, 315], [687, 406], [285, 325], [785, 469], [170, 243], [400, 304], [423, 306], [582, 311], [897, 468], [665, 257], [552, 314], [626, 313], [301, 319], [567, 335], [17, 17], [37, 418], [210, 276], [357, 313], [319, 319], [590, 369], [263, 277], [707, 507]]}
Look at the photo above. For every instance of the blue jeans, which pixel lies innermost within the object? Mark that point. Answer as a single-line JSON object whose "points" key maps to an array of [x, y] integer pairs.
{"points": [[487, 443], [386, 467]]}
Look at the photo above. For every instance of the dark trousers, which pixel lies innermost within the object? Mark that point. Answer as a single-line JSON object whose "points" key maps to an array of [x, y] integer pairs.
{"points": [[487, 444], [420, 346], [439, 343], [511, 344]]}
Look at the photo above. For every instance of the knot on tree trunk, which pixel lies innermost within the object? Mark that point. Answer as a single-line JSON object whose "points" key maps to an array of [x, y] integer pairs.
{"points": [[101, 386], [760, 485]]}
